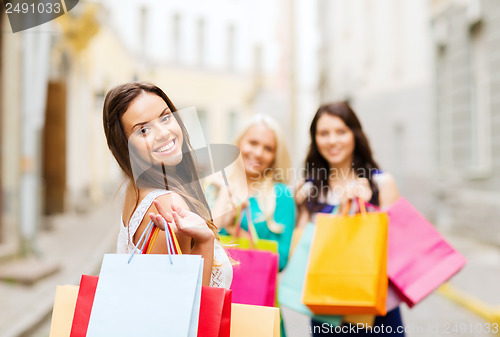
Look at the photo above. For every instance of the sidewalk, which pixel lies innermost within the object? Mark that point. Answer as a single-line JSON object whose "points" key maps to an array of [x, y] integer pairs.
{"points": [[76, 243]]}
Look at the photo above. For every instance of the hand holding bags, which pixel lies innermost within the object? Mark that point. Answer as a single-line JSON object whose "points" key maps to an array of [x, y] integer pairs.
{"points": [[250, 242], [420, 259], [149, 295], [347, 264]]}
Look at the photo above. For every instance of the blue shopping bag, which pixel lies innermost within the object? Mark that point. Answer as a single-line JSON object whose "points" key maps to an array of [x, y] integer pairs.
{"points": [[292, 282], [149, 295]]}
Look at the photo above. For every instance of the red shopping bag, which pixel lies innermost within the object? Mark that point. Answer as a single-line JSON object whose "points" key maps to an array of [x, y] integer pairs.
{"points": [[215, 306], [254, 279], [420, 259], [84, 302]]}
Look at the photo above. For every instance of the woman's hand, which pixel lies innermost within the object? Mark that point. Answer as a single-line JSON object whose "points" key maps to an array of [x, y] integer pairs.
{"points": [[359, 188], [188, 223]]}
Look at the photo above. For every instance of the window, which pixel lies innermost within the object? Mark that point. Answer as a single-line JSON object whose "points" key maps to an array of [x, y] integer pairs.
{"points": [[176, 37], [200, 41], [444, 125], [232, 125], [480, 160], [143, 21], [230, 47]]}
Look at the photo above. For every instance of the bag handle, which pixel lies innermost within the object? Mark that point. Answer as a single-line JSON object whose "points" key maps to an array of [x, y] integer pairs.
{"points": [[252, 232], [361, 206], [148, 229], [171, 239]]}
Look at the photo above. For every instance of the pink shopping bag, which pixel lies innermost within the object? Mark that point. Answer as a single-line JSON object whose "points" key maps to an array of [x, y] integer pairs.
{"points": [[420, 259], [254, 278]]}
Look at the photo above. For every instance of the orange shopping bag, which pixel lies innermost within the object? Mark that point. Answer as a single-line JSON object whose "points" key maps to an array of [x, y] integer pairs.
{"points": [[347, 267]]}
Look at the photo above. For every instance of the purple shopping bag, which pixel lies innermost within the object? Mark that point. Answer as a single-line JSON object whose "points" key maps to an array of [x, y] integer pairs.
{"points": [[254, 278], [420, 259]]}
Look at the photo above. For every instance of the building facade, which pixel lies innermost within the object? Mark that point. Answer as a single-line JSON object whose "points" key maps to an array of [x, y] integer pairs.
{"points": [[467, 120], [377, 55]]}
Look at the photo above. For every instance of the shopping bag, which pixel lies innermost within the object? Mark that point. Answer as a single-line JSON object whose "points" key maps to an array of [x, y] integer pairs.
{"points": [[62, 312], [215, 307], [245, 243], [83, 307], [292, 281], [254, 278], [253, 321], [251, 240], [393, 299], [150, 296], [420, 259], [346, 271]]}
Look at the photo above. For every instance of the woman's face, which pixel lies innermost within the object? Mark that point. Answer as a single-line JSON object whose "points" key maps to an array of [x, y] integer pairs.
{"points": [[153, 131], [258, 149], [335, 140]]}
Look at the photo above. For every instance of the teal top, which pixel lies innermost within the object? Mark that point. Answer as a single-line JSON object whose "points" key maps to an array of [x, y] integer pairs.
{"points": [[284, 214]]}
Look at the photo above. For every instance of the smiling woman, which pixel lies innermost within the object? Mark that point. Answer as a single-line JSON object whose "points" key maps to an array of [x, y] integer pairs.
{"points": [[151, 144], [270, 207], [340, 148], [153, 131]]}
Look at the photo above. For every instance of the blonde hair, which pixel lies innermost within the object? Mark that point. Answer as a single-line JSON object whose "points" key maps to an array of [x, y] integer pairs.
{"points": [[276, 173]]}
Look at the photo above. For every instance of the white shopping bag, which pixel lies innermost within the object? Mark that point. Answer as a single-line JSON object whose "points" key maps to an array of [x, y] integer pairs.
{"points": [[153, 295]]}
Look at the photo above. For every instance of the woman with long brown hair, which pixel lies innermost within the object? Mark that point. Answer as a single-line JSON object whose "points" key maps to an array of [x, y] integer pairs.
{"points": [[149, 141], [339, 166]]}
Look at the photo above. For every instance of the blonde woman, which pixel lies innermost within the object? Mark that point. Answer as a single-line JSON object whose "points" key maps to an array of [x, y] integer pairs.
{"points": [[270, 202]]}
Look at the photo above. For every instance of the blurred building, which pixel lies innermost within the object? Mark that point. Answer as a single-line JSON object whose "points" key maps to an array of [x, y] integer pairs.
{"points": [[377, 55], [24, 65], [54, 156], [467, 53], [215, 56]]}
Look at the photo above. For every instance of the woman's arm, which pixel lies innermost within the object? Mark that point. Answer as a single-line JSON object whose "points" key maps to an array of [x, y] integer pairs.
{"points": [[302, 193], [388, 191], [223, 212], [284, 214]]}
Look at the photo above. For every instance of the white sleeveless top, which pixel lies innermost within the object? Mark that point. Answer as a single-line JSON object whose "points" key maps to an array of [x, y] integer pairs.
{"points": [[222, 275]]}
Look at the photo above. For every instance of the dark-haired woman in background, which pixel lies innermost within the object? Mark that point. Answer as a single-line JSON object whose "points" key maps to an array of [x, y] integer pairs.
{"points": [[340, 166]]}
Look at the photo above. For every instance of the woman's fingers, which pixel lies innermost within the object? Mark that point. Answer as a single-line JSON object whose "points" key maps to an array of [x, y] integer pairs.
{"points": [[177, 220], [362, 189], [161, 210], [180, 211], [157, 221]]}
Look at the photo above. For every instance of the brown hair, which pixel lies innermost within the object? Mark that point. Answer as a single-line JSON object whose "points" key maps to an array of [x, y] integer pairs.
{"points": [[183, 179], [363, 163]]}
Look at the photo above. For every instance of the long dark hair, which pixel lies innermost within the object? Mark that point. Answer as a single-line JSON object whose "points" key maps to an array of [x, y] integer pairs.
{"points": [[363, 163], [183, 179]]}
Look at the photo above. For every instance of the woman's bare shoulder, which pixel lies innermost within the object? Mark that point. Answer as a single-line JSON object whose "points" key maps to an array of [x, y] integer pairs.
{"points": [[166, 200], [389, 192]]}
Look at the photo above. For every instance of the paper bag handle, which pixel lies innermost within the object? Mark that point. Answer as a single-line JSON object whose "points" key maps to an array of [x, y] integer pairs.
{"points": [[252, 231], [361, 205]]}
